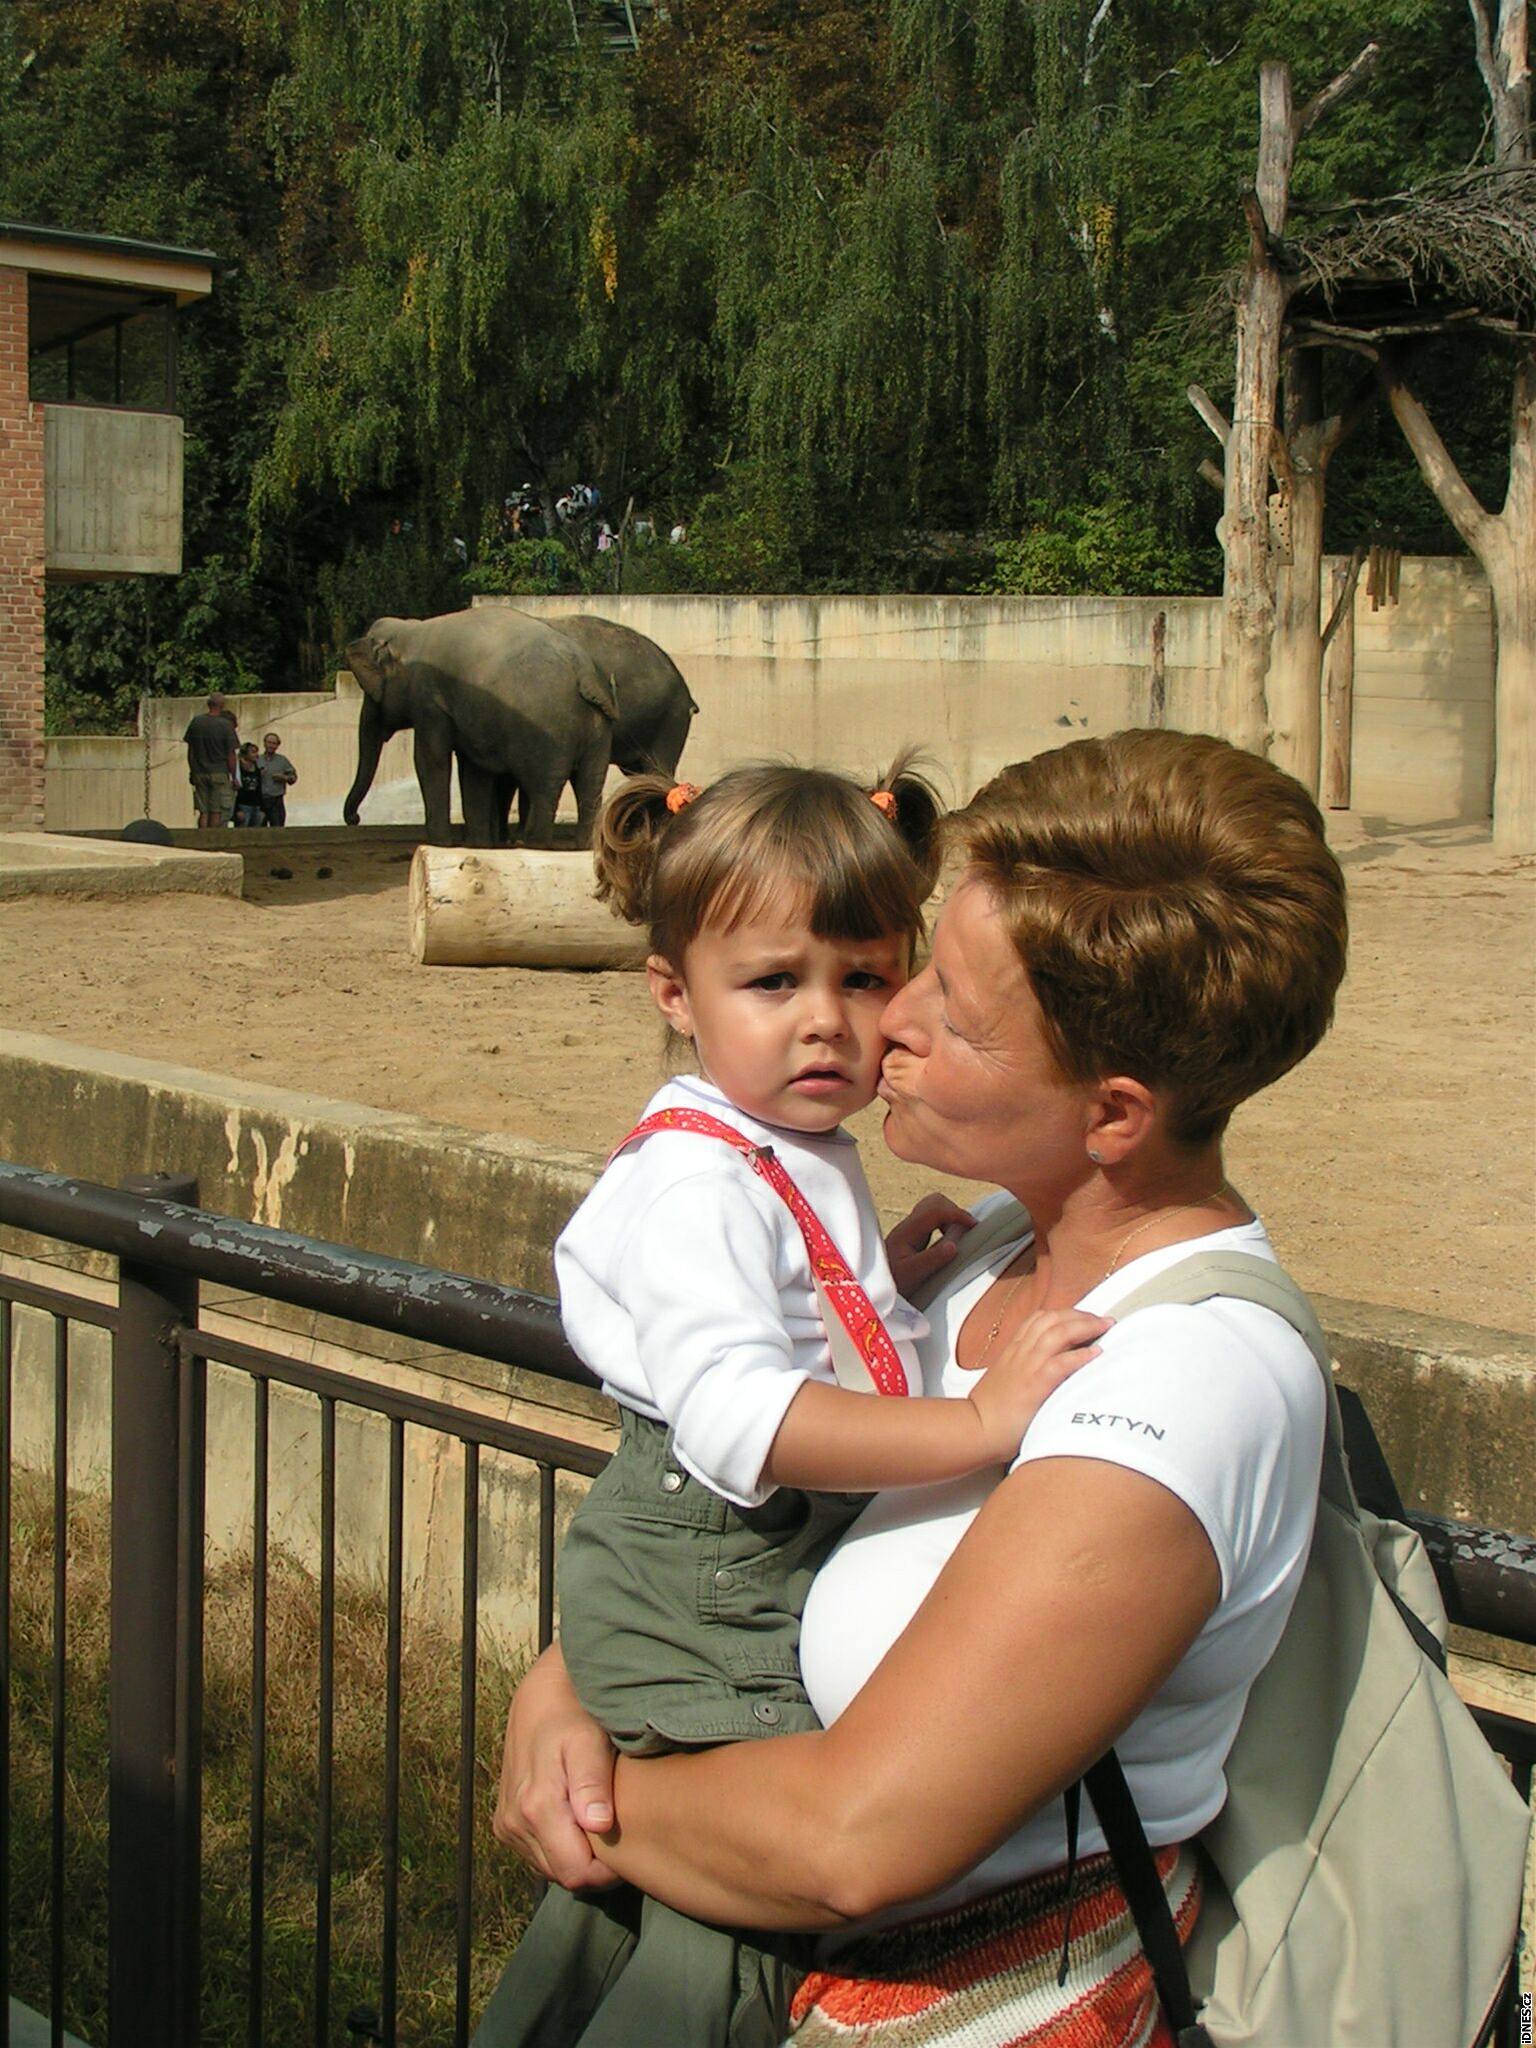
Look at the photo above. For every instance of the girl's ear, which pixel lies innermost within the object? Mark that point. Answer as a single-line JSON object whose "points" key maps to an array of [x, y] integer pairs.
{"points": [[670, 995]]}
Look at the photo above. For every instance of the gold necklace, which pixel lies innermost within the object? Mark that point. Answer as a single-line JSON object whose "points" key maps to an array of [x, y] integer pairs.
{"points": [[1013, 1287], [1162, 1216]]}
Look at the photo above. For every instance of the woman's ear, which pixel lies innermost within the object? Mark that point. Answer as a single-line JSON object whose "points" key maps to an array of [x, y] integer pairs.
{"points": [[670, 995], [1122, 1114]]}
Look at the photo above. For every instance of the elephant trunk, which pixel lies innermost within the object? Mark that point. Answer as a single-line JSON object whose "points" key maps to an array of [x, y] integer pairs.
{"points": [[370, 743]]}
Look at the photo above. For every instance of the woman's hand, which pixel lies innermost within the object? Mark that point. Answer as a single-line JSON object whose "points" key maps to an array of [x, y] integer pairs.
{"points": [[926, 1240], [556, 1780]]}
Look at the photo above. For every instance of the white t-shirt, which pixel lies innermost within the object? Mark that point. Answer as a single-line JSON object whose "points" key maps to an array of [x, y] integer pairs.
{"points": [[686, 1285], [1223, 1405]]}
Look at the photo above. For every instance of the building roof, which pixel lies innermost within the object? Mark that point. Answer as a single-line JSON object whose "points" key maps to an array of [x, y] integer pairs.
{"points": [[155, 267]]}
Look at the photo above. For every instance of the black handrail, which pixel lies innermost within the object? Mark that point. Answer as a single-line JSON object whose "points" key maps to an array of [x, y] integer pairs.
{"points": [[451, 1310], [1487, 1576]]}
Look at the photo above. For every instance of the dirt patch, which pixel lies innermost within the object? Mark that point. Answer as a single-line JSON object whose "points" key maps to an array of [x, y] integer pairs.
{"points": [[1397, 1165]]}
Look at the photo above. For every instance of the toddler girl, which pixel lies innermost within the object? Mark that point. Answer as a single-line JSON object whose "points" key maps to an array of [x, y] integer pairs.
{"points": [[727, 1280]]}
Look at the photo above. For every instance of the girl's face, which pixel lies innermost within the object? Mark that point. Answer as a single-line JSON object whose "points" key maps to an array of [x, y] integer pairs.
{"points": [[787, 1025]]}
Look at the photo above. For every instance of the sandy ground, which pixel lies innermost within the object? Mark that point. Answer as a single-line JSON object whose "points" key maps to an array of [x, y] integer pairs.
{"points": [[1397, 1165]]}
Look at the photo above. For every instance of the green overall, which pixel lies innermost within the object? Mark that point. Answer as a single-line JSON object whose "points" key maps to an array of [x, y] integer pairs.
{"points": [[680, 1628]]}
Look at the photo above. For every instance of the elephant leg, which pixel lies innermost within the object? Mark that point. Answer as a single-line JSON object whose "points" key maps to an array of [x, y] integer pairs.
{"points": [[537, 809], [590, 773], [506, 790], [434, 766], [667, 746], [478, 792]]}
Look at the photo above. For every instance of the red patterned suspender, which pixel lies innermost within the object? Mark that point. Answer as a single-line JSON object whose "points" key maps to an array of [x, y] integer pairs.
{"points": [[855, 1310]]}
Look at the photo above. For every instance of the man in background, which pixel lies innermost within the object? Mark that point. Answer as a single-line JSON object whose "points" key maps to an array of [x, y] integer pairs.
{"points": [[278, 775], [212, 744]]}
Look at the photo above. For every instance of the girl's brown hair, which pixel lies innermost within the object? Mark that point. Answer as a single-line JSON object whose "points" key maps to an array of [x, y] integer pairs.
{"points": [[1176, 907], [865, 868]]}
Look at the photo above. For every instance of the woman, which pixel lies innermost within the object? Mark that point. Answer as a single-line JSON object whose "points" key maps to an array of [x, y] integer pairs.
{"points": [[1146, 930]]}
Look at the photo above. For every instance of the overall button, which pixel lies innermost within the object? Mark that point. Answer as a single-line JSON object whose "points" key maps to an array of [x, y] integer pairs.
{"points": [[766, 1712], [725, 1580], [671, 1482]]}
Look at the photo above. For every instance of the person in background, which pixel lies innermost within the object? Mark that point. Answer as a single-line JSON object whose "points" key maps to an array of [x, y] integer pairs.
{"points": [[278, 775], [211, 742], [248, 785]]}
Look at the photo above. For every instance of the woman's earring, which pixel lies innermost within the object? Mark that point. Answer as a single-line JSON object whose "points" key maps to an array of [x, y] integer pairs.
{"points": [[1096, 1157]]}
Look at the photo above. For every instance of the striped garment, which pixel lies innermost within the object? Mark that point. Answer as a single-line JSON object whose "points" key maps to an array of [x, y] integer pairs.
{"points": [[984, 1975]]}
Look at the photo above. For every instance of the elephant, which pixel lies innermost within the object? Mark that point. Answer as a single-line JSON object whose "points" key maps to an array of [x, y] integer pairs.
{"points": [[654, 706], [519, 704], [647, 701]]}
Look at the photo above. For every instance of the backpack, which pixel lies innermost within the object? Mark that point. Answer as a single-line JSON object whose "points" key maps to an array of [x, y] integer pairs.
{"points": [[1363, 1879]]}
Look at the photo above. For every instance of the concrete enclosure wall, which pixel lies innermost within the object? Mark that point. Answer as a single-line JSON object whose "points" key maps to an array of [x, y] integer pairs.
{"points": [[21, 567], [97, 784], [976, 681], [980, 682]]}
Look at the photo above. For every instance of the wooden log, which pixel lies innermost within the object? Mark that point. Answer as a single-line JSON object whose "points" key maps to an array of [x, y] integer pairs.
{"points": [[1339, 713], [479, 906]]}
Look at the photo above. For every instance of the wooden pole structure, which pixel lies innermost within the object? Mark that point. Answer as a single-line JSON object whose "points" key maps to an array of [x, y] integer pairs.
{"points": [[1157, 710], [1254, 446], [1339, 709]]}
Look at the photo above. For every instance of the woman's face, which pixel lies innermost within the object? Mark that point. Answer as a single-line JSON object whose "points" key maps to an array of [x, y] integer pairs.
{"points": [[970, 1081]]}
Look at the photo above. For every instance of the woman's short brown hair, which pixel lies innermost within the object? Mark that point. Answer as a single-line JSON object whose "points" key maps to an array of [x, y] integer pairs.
{"points": [[1176, 907], [864, 869]]}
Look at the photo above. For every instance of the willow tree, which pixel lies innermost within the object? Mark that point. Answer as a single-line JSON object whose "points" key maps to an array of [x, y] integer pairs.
{"points": [[467, 330]]}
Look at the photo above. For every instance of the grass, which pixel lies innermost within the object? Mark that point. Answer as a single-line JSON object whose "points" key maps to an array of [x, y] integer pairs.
{"points": [[428, 1796]]}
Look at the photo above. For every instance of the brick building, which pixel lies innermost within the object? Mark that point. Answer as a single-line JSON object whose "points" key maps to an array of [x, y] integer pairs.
{"points": [[90, 446]]}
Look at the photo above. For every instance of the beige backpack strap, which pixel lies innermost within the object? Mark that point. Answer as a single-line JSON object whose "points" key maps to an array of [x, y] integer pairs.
{"points": [[1008, 1223], [1243, 1277]]}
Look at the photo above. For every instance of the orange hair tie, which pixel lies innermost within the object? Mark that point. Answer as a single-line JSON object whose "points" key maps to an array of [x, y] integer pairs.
{"points": [[884, 800], [682, 793]]}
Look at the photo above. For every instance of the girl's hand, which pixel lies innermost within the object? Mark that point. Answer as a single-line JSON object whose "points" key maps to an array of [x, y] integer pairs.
{"points": [[926, 1240], [1047, 1348], [556, 1780]]}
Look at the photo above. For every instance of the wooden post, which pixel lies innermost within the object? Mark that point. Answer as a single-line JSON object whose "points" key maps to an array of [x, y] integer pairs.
{"points": [[1157, 712], [1339, 710], [1248, 592], [1254, 441]]}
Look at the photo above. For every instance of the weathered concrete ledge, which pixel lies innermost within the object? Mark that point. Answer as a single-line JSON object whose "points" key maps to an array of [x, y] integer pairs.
{"points": [[476, 1202], [1454, 1404], [52, 864]]}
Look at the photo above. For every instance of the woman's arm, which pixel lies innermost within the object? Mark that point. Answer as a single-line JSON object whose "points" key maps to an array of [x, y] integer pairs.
{"points": [[1071, 1598], [985, 1708]]}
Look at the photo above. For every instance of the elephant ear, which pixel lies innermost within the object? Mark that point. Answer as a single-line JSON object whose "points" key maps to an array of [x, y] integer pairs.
{"points": [[598, 689]]}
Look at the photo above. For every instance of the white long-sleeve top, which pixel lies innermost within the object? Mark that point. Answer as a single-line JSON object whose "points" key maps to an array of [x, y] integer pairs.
{"points": [[686, 1286]]}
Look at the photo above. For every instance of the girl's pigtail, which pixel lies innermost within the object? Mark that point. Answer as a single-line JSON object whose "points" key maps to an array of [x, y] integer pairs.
{"points": [[918, 809], [629, 831]]}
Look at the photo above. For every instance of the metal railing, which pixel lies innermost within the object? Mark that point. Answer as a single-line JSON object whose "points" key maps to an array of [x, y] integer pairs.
{"points": [[160, 1355], [165, 1247]]}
